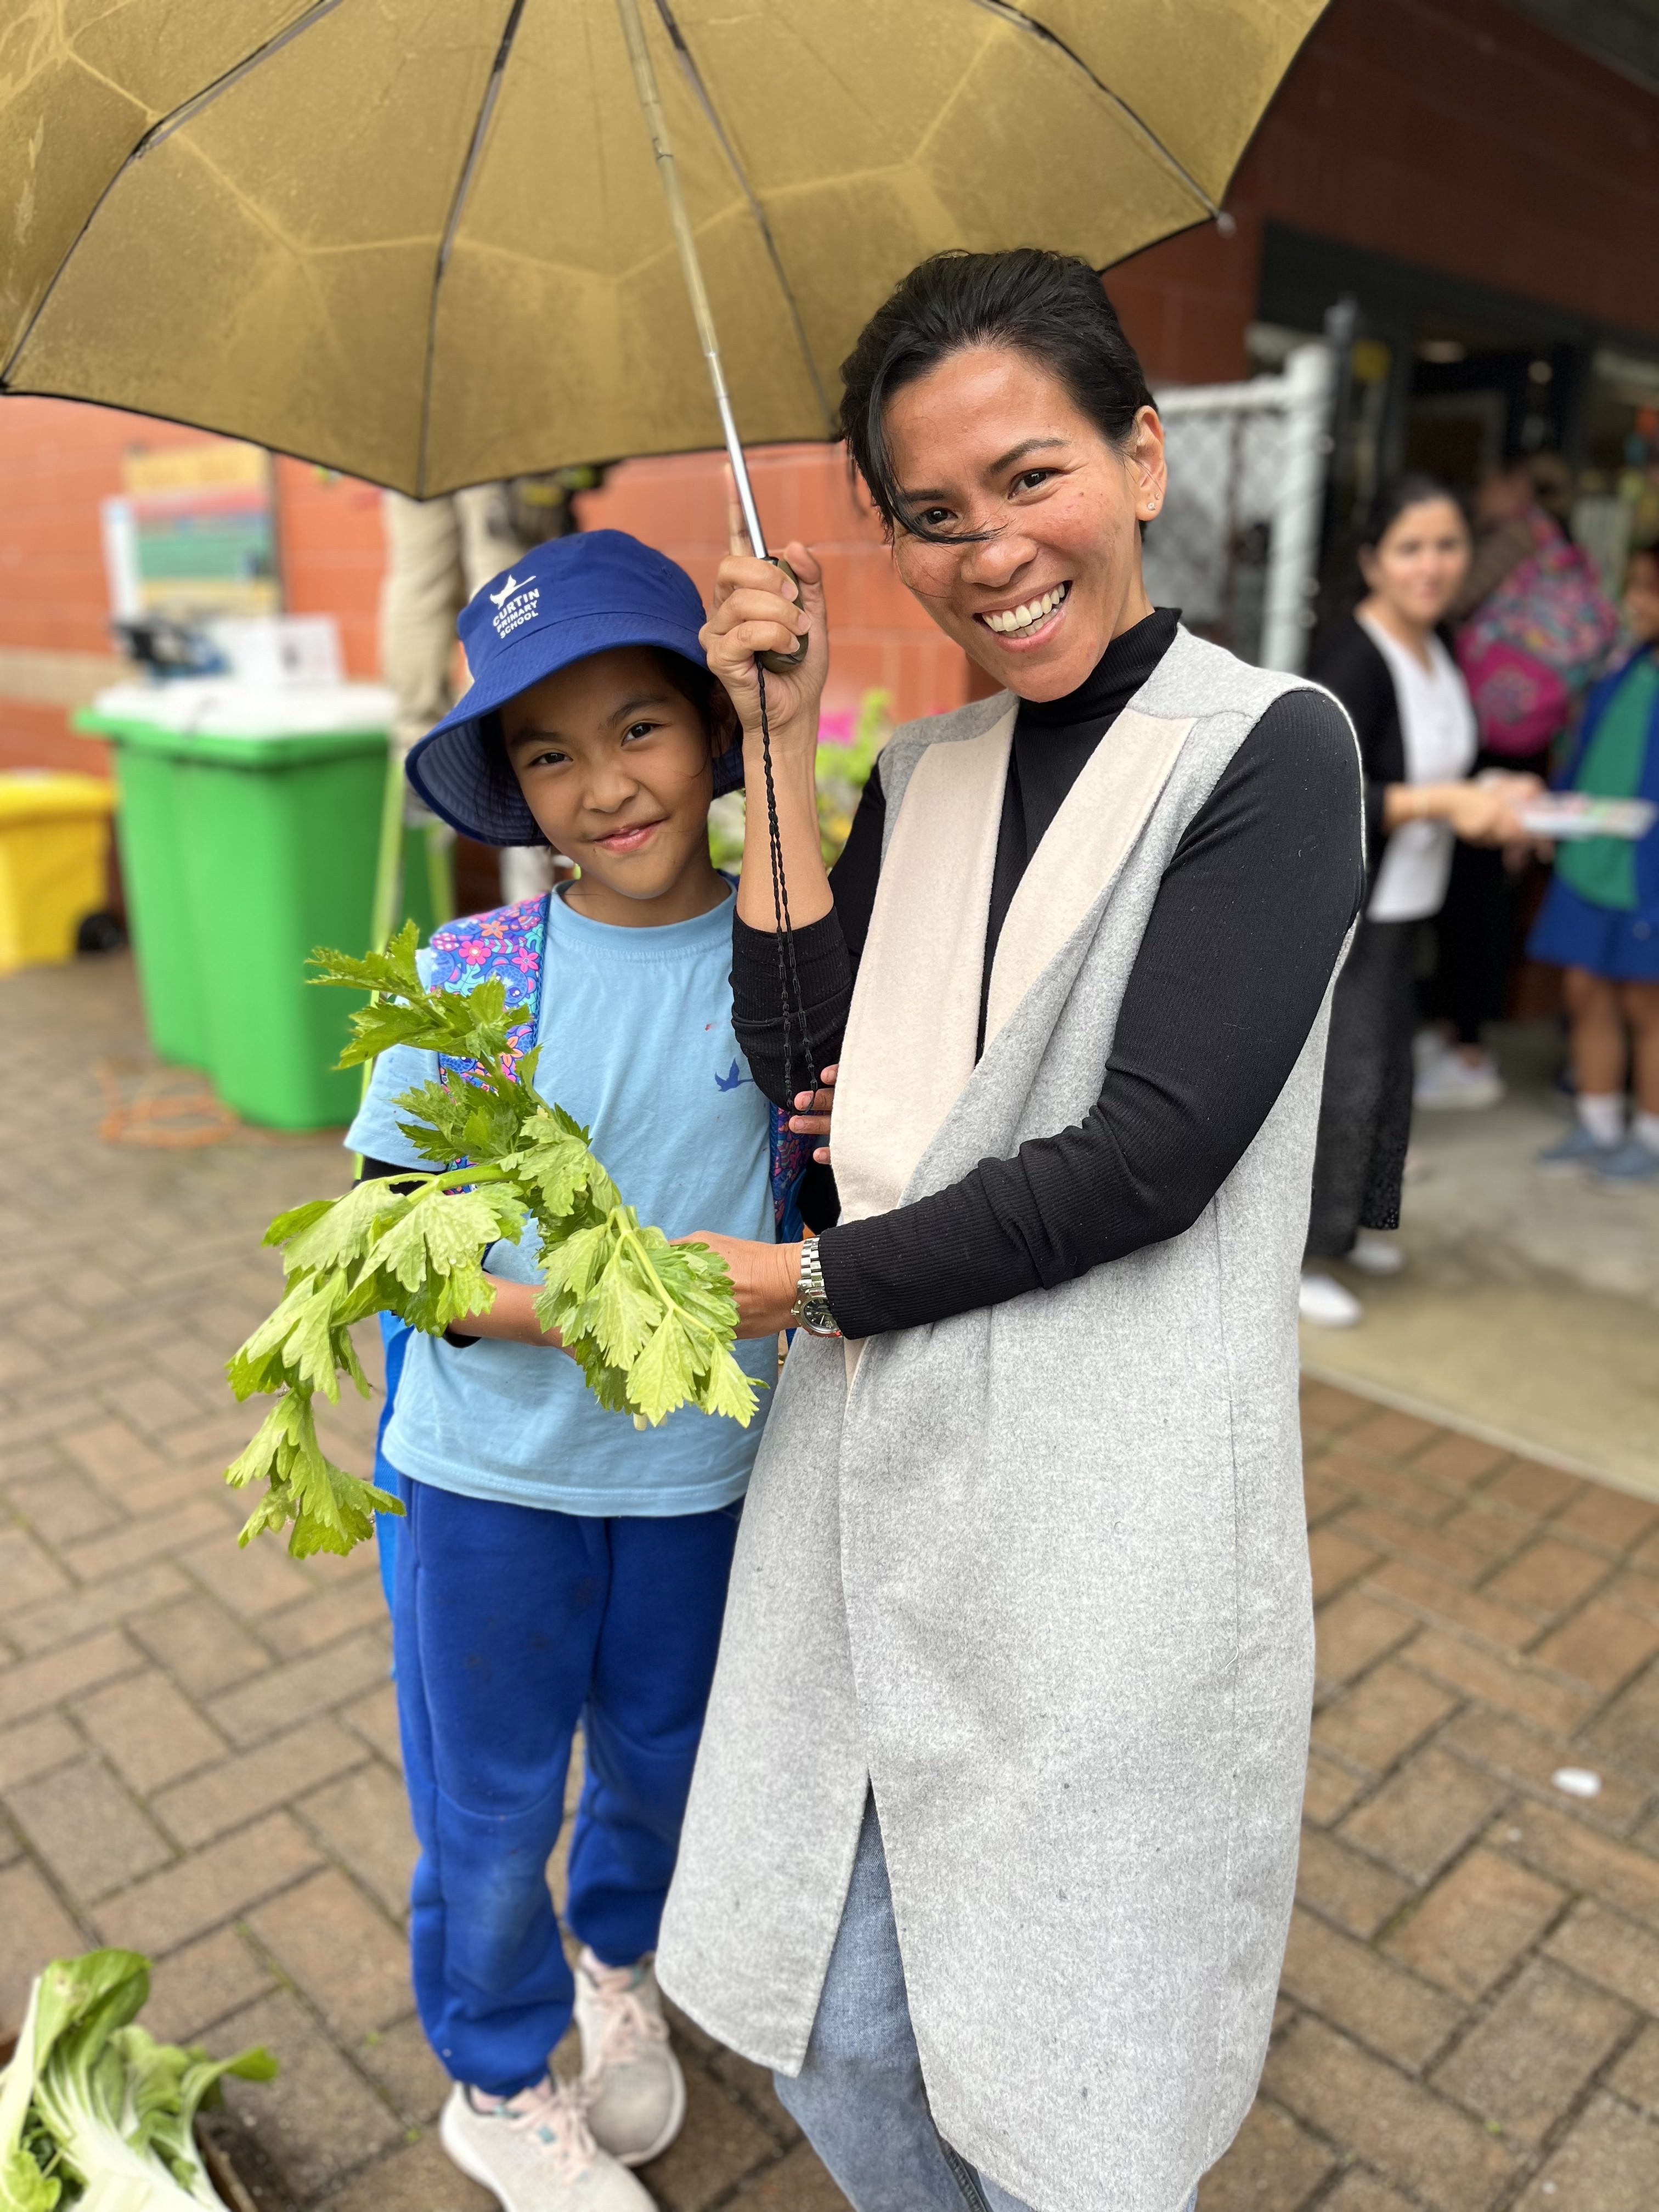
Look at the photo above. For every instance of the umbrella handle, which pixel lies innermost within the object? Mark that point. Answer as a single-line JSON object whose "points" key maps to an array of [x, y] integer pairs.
{"points": [[784, 664]]}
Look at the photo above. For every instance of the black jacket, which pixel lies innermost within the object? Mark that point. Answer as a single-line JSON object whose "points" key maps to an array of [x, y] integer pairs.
{"points": [[1347, 661]]}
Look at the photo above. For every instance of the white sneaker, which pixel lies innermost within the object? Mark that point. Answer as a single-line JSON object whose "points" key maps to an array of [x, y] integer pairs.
{"points": [[1323, 1301], [1376, 1256], [535, 2153], [1448, 1079], [632, 2085]]}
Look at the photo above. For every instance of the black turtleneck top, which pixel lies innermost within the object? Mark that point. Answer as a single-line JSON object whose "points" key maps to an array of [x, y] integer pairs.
{"points": [[1238, 950]]}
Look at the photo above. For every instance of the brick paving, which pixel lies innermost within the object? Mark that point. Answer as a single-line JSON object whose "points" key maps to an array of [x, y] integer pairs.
{"points": [[198, 1750]]}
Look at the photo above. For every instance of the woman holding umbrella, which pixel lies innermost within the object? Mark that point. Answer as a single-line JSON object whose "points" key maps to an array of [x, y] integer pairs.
{"points": [[990, 1848]]}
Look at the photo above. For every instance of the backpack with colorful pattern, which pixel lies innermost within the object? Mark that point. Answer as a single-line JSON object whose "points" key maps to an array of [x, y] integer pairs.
{"points": [[1534, 643], [510, 946]]}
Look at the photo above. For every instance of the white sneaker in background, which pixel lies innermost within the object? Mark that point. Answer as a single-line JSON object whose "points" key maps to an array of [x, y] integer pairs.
{"points": [[535, 2153], [1324, 1302], [632, 2085], [1375, 1254], [1448, 1079]]}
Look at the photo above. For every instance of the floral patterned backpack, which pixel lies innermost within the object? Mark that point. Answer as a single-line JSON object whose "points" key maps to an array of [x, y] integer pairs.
{"points": [[1534, 643]]}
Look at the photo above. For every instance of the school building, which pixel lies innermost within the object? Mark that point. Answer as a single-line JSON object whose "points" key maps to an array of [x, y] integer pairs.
{"points": [[1474, 183]]}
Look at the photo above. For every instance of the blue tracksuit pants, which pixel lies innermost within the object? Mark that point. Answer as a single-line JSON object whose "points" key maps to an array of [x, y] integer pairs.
{"points": [[512, 1624]]}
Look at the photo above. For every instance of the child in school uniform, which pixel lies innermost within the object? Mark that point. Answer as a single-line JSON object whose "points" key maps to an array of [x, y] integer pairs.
{"points": [[559, 1566], [1600, 919]]}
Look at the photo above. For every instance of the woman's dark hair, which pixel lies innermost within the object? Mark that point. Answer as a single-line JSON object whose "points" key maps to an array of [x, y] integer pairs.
{"points": [[1050, 306], [1415, 489], [703, 689]]}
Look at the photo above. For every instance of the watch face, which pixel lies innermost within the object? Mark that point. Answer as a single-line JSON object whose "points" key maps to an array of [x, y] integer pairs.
{"points": [[816, 1317]]}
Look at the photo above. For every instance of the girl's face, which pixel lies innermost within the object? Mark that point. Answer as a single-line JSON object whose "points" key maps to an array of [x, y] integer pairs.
{"points": [[614, 764], [990, 440], [1418, 567], [1501, 495]]}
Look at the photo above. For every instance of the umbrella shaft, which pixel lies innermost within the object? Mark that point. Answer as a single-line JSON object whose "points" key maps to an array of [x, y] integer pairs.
{"points": [[645, 78]]}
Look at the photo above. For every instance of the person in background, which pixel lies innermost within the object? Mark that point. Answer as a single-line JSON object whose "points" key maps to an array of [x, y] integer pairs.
{"points": [[438, 552], [1533, 627], [1390, 665], [1600, 920]]}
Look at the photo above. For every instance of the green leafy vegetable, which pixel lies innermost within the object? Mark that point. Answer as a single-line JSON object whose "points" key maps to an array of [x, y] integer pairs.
{"points": [[650, 1323], [96, 2113]]}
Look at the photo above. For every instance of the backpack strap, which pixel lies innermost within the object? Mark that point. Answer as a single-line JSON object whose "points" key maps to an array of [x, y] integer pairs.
{"points": [[510, 946], [791, 1156]]}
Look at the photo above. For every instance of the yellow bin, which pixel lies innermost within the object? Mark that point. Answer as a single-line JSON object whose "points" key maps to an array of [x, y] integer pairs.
{"points": [[54, 840]]}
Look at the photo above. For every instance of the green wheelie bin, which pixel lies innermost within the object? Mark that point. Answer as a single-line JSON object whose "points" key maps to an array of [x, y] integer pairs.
{"points": [[248, 826]]}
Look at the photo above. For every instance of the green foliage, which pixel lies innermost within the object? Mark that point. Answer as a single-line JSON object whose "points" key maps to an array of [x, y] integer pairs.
{"points": [[842, 771], [94, 2110], [650, 1323]]}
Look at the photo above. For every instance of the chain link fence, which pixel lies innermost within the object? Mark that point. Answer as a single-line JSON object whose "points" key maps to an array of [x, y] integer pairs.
{"points": [[1237, 545]]}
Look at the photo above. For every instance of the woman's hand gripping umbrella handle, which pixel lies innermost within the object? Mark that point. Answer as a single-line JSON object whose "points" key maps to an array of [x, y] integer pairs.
{"points": [[760, 609], [785, 664]]}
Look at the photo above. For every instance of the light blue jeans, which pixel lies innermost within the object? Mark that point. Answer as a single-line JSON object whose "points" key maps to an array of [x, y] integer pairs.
{"points": [[859, 2096]]}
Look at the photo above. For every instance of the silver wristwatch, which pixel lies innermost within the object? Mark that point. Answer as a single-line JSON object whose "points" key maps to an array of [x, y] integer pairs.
{"points": [[810, 1310]]}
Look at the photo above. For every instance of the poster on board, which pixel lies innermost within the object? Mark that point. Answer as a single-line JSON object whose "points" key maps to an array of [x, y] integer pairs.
{"points": [[193, 536]]}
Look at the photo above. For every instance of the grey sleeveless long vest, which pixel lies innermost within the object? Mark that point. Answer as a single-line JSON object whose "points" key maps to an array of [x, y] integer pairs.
{"points": [[1036, 1575]]}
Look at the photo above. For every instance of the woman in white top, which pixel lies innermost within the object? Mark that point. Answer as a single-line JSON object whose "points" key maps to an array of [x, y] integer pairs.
{"points": [[1391, 669]]}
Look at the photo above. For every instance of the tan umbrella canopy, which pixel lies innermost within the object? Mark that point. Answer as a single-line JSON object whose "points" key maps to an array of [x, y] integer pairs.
{"points": [[425, 241]]}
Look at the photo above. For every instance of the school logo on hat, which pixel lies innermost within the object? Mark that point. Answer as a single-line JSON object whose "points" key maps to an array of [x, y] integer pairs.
{"points": [[595, 590], [515, 604]]}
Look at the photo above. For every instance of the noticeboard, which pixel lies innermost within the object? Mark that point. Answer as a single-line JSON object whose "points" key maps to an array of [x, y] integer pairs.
{"points": [[194, 533]]}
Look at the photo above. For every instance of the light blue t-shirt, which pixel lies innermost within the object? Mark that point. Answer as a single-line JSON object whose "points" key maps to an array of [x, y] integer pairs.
{"points": [[636, 1042]]}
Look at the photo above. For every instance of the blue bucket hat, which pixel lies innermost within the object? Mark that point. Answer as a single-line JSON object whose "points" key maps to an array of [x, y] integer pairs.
{"points": [[566, 600]]}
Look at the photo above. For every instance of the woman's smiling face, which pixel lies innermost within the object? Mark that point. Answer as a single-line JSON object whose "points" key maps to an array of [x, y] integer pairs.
{"points": [[1418, 567], [992, 440]]}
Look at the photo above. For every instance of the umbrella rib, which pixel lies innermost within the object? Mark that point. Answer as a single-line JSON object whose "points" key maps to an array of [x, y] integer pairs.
{"points": [[158, 132], [457, 209], [694, 78], [1007, 13]]}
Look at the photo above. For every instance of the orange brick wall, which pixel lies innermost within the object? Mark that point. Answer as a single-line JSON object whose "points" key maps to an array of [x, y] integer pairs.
{"points": [[1452, 133], [332, 552], [58, 461]]}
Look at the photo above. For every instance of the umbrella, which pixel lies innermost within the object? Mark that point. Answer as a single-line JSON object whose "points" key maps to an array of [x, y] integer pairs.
{"points": [[437, 242], [425, 241]]}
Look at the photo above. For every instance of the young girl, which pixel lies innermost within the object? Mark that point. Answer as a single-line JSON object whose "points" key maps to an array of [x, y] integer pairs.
{"points": [[1600, 920], [557, 1565]]}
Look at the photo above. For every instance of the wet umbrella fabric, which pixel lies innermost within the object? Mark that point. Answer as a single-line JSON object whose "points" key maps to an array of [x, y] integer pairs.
{"points": [[423, 240]]}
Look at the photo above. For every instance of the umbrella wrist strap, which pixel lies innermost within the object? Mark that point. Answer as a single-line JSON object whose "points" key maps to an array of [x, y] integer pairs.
{"points": [[789, 991]]}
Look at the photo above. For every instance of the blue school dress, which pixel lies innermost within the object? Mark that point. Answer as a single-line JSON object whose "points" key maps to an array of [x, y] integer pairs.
{"points": [[1602, 911]]}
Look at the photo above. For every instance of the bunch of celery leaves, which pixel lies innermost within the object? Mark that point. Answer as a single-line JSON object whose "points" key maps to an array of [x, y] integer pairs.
{"points": [[96, 2114], [650, 1323]]}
